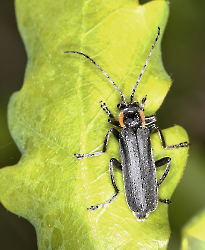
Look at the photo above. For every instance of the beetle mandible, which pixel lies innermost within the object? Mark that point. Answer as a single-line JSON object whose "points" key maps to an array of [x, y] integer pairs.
{"points": [[137, 161]]}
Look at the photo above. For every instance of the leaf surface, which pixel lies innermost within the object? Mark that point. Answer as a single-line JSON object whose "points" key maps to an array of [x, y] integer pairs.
{"points": [[193, 233], [57, 113]]}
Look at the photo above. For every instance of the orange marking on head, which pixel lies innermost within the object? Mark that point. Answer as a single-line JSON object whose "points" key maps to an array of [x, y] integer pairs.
{"points": [[121, 117], [143, 118]]}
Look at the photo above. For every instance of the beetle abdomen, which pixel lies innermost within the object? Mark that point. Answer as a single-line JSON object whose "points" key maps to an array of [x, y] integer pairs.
{"points": [[139, 171]]}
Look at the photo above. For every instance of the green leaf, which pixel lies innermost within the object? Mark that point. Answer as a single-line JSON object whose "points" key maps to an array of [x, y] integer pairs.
{"points": [[193, 233], [57, 113]]}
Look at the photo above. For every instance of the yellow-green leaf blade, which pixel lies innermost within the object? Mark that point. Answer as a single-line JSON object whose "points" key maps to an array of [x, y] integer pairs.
{"points": [[57, 113]]}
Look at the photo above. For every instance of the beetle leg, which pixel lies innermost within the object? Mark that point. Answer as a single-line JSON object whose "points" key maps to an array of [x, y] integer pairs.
{"points": [[161, 136], [152, 128], [165, 201], [160, 163], [113, 121], [149, 120], [105, 108], [114, 162], [116, 135]]}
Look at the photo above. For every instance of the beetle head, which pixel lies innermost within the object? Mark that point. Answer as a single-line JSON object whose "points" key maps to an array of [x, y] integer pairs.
{"points": [[131, 115]]}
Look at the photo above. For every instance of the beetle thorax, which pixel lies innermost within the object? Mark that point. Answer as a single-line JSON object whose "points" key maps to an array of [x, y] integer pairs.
{"points": [[131, 115]]}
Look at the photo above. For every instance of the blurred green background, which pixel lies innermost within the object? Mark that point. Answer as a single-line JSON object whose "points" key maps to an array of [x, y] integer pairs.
{"points": [[183, 53]]}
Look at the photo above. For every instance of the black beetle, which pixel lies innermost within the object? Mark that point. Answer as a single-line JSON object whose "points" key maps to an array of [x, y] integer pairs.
{"points": [[137, 161]]}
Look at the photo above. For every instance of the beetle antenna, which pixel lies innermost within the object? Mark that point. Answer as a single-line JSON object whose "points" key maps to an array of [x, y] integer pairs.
{"points": [[143, 69], [143, 102], [122, 96]]}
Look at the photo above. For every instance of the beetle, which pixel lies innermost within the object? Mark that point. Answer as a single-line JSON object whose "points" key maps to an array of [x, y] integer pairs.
{"points": [[137, 162]]}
